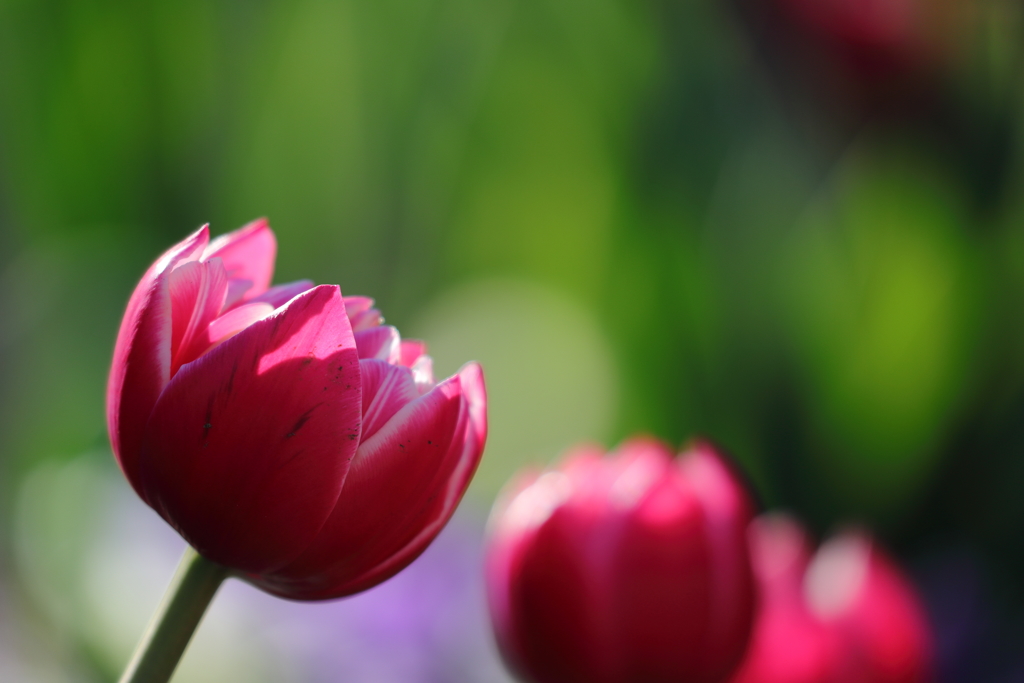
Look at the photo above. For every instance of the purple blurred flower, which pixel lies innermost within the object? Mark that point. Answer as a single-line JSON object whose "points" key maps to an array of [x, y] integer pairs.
{"points": [[426, 625]]}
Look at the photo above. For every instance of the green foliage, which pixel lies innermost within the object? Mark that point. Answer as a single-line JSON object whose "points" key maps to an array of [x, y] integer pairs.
{"points": [[667, 221]]}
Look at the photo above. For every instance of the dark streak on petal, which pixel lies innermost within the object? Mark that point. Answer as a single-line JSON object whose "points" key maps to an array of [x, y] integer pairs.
{"points": [[229, 387], [301, 421]]}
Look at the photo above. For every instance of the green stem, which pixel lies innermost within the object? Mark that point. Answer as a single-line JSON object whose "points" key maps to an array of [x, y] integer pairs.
{"points": [[192, 588]]}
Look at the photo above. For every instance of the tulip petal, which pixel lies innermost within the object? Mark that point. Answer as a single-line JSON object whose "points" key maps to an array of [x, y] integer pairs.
{"points": [[248, 254], [281, 294], [726, 508], [382, 342], [779, 552], [198, 291], [661, 569], [638, 466], [450, 479], [248, 446], [411, 351], [413, 355], [233, 322], [361, 313], [237, 289], [522, 506], [565, 623], [386, 390], [142, 356], [404, 485], [423, 373], [885, 626]]}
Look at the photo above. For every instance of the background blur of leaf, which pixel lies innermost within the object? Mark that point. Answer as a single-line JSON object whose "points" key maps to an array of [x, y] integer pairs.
{"points": [[642, 217]]}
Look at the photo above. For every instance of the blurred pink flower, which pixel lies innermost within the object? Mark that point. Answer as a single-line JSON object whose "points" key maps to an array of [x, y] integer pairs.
{"points": [[284, 431], [882, 38], [844, 615], [626, 568]]}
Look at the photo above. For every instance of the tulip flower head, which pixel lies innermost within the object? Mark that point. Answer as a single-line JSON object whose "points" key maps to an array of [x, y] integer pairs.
{"points": [[627, 568], [883, 38], [844, 614], [285, 432]]}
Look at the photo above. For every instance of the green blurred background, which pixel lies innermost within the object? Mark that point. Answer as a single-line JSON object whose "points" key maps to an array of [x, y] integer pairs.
{"points": [[726, 218]]}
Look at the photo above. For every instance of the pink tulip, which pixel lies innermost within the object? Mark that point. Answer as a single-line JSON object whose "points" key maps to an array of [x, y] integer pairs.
{"points": [[622, 569], [842, 615], [285, 432]]}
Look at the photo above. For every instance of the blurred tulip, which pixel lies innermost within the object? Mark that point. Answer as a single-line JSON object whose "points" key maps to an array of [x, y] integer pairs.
{"points": [[284, 431], [880, 38], [621, 569], [844, 615]]}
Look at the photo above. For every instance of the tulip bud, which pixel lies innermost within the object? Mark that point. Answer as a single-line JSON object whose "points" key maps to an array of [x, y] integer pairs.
{"points": [[626, 568], [285, 432], [845, 614]]}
